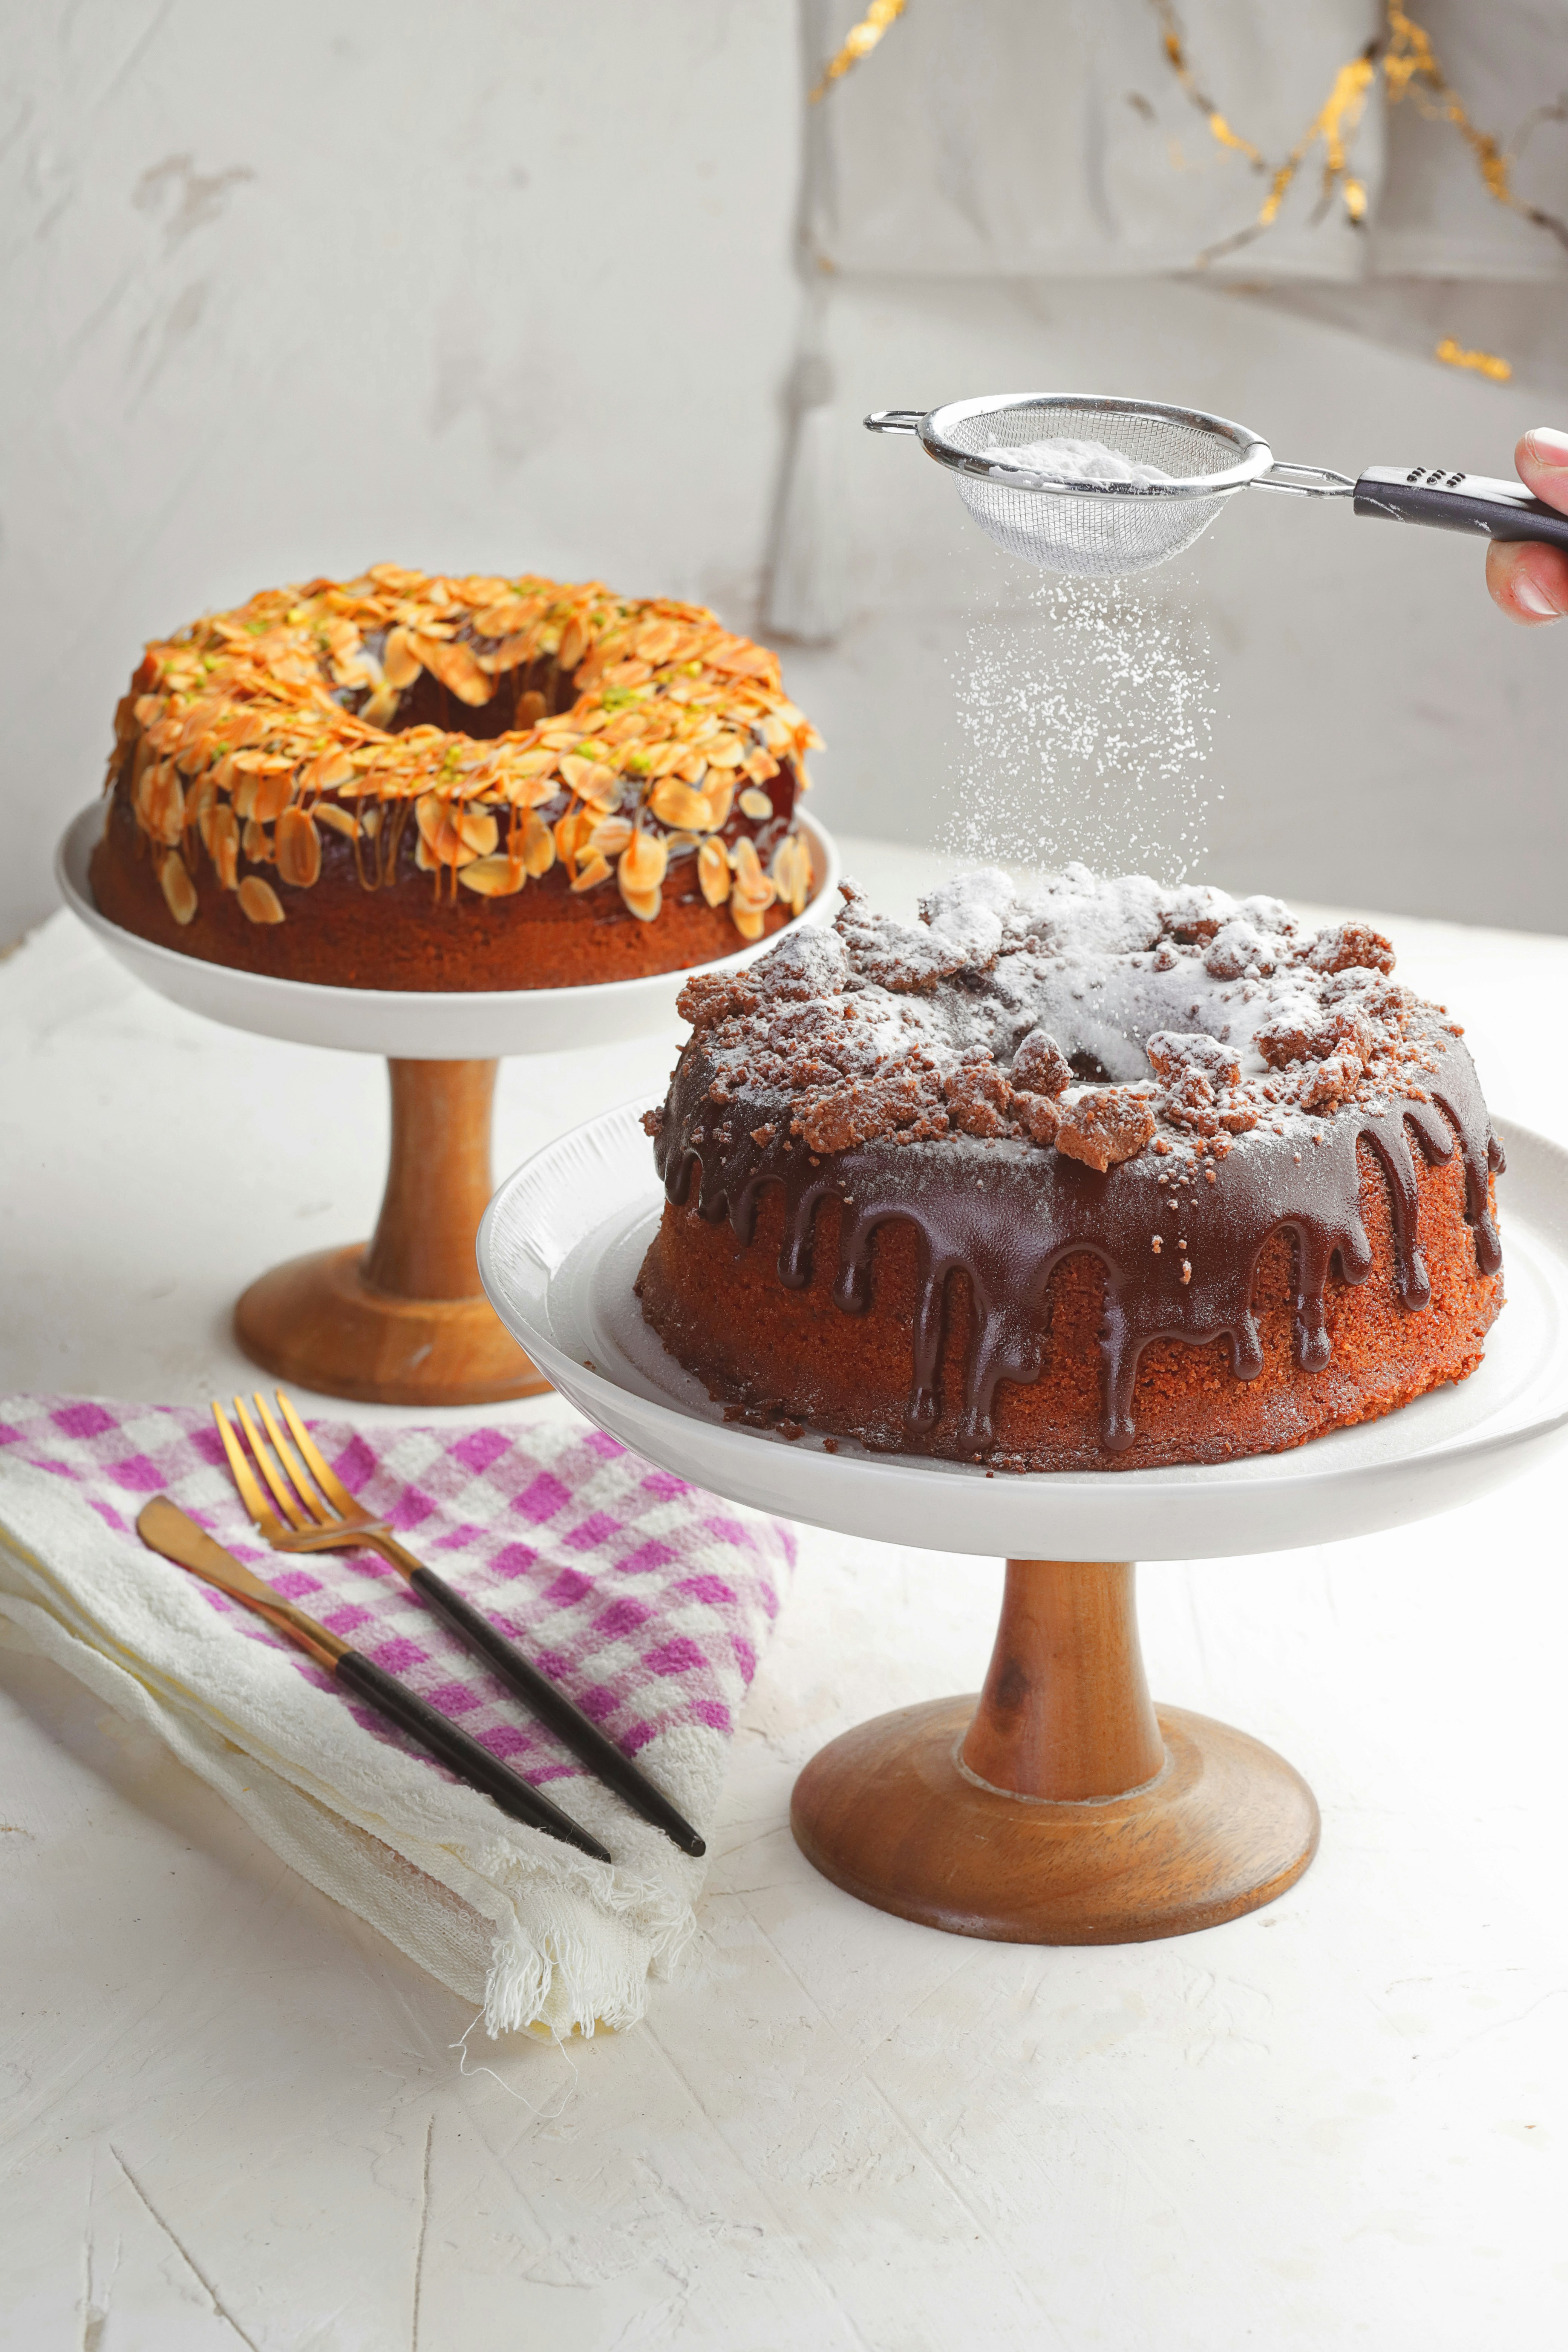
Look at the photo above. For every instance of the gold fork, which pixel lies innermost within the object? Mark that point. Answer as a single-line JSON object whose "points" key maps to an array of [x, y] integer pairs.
{"points": [[324, 1516]]}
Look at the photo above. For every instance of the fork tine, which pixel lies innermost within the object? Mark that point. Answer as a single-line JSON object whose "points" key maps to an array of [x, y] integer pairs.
{"points": [[319, 1511], [281, 1486], [250, 1494], [321, 1470]]}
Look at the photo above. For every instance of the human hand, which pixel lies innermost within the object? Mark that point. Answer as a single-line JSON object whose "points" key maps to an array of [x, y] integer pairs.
{"points": [[1528, 581]]}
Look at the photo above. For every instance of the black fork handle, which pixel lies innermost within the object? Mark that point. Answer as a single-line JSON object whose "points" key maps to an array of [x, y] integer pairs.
{"points": [[570, 1725], [464, 1756]]}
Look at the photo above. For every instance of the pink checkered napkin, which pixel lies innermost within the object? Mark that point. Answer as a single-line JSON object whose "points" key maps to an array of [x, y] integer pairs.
{"points": [[646, 1600]]}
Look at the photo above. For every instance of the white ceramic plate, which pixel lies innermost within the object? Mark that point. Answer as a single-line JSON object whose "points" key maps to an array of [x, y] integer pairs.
{"points": [[562, 1242], [413, 1023]]}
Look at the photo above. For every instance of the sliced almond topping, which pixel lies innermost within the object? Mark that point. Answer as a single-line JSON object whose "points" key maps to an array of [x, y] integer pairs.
{"points": [[454, 667], [573, 646], [755, 803], [272, 796], [643, 865], [260, 901], [327, 772], [590, 779], [501, 620], [526, 792], [479, 830], [792, 872], [714, 873], [590, 875], [748, 921], [725, 751], [571, 831], [611, 835], [220, 831], [749, 876], [676, 803], [339, 819], [644, 904], [657, 642], [538, 845], [167, 803], [256, 843], [759, 765], [721, 793], [297, 847], [493, 878], [508, 655], [399, 660], [179, 890]]}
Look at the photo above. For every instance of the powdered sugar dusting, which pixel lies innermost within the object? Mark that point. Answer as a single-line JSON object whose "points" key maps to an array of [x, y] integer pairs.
{"points": [[1087, 722], [1077, 461]]}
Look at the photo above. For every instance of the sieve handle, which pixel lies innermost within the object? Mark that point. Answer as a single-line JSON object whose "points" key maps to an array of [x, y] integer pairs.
{"points": [[895, 420], [1452, 501]]}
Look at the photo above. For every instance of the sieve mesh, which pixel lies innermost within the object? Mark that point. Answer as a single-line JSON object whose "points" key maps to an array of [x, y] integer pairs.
{"points": [[1099, 529]]}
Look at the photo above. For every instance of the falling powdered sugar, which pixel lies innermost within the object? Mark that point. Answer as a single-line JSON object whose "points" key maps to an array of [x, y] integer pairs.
{"points": [[1087, 720]]}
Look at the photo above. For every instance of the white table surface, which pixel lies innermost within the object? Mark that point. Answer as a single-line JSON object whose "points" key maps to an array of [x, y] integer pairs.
{"points": [[231, 2115]]}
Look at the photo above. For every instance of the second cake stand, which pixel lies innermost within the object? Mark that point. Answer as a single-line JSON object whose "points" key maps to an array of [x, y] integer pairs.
{"points": [[1058, 1805], [404, 1319]]}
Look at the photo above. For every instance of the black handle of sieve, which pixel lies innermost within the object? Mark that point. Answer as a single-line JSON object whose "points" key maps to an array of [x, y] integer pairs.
{"points": [[1451, 501]]}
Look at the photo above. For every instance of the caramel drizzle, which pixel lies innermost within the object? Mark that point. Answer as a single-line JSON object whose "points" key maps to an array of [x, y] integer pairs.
{"points": [[1009, 1214]]}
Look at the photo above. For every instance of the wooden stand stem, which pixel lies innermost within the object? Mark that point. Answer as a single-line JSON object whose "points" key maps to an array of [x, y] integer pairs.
{"points": [[438, 1182], [1066, 1711], [1061, 1806], [406, 1320]]}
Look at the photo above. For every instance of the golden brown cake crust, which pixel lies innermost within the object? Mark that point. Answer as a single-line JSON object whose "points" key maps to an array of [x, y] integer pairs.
{"points": [[416, 782], [902, 1209]]}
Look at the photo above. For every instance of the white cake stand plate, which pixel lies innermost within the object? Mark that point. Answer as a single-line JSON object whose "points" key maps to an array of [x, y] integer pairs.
{"points": [[1058, 1806], [402, 1319]]}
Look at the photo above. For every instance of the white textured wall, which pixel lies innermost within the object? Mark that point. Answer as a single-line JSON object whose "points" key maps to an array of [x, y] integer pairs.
{"points": [[289, 290]]}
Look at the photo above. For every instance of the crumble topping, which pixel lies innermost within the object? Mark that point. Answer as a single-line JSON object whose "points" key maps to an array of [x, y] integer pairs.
{"points": [[1094, 1016]]}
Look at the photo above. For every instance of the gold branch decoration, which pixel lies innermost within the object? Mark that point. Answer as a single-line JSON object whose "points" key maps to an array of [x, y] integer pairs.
{"points": [[858, 43], [1404, 55], [1488, 364], [1177, 58]]}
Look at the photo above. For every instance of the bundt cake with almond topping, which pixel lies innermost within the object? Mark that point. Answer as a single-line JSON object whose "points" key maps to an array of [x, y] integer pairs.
{"points": [[1099, 1176], [415, 782]]}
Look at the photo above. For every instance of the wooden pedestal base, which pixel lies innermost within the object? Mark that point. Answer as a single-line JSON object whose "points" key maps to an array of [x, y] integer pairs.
{"points": [[1058, 1807], [402, 1320]]}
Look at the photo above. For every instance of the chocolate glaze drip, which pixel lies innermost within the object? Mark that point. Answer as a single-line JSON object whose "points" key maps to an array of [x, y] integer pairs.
{"points": [[1008, 1214]]}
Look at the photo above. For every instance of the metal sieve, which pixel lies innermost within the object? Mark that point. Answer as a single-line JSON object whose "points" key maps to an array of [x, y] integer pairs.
{"points": [[1110, 527]]}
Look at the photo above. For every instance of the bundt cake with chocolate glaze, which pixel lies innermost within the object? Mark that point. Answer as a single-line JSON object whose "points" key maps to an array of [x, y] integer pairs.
{"points": [[1099, 1176], [415, 782]]}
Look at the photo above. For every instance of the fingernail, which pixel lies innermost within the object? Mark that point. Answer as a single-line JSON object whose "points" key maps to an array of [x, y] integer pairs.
{"points": [[1547, 446], [1533, 599]]}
